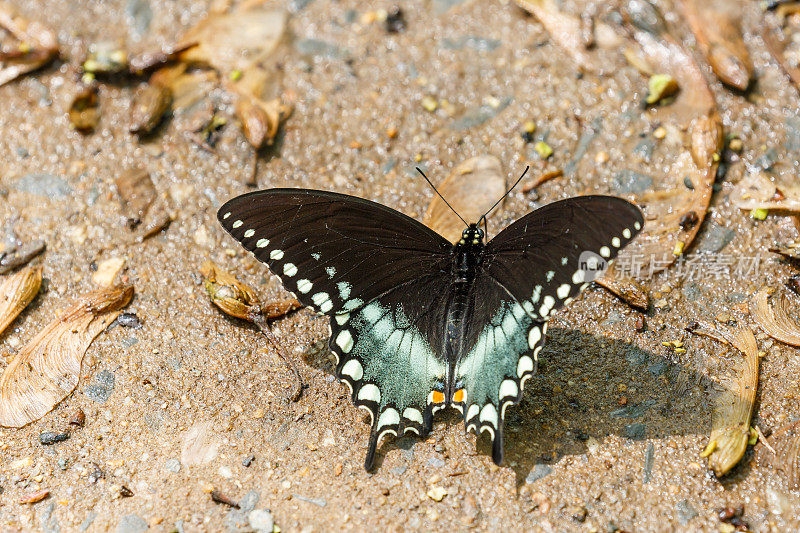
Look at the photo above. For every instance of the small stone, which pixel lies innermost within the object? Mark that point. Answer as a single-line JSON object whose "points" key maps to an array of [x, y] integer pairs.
{"points": [[51, 437], [395, 20], [736, 145], [225, 472], [107, 271], [543, 149], [132, 523], [660, 303], [661, 86], [601, 157], [247, 461], [437, 493], [129, 320], [172, 465], [635, 431], [578, 513], [429, 103], [660, 132], [47, 185], [538, 471], [260, 520], [723, 317]]}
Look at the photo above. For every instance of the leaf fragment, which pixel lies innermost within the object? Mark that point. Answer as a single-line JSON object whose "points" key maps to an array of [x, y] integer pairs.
{"points": [[661, 86], [33, 45], [16, 292], [47, 369], [150, 102], [84, 111], [228, 293], [471, 188], [775, 321], [730, 421]]}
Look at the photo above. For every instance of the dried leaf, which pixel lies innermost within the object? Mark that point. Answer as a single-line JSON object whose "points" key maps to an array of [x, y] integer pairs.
{"points": [[730, 422], [471, 188], [234, 41], [47, 369], [626, 288], [136, 193], [776, 47], [146, 61], [20, 256], [775, 321], [84, 111], [280, 308], [717, 28], [150, 103], [33, 45], [16, 292], [777, 191], [782, 452], [228, 293]]}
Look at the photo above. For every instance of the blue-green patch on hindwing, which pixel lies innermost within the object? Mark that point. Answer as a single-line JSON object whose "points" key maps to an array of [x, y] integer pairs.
{"points": [[495, 368], [389, 367]]}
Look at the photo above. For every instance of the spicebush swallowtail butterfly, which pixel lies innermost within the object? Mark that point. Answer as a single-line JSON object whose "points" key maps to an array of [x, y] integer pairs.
{"points": [[417, 323]]}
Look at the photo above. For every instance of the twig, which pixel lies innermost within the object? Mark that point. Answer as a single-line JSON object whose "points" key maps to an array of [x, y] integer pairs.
{"points": [[261, 321]]}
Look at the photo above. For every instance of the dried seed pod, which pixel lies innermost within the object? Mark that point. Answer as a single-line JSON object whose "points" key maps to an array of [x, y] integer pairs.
{"points": [[775, 321], [150, 103], [16, 292], [219, 497], [731, 419], [78, 418], [706, 141], [228, 293], [281, 308], [47, 369], [35, 497], [261, 120], [84, 112], [106, 58]]}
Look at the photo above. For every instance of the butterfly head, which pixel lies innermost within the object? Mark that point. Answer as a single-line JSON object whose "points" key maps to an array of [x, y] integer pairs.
{"points": [[472, 235]]}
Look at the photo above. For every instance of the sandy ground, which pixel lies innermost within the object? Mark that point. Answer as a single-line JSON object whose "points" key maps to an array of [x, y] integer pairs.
{"points": [[575, 460]]}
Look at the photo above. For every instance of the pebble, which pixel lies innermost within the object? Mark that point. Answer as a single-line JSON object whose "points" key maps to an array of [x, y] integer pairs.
{"points": [[736, 145], [47, 185], [101, 390], [247, 461], [660, 132], [140, 15], [107, 270], [685, 512], [172, 465], [319, 48], [715, 238], [132, 523], [538, 471], [631, 182], [601, 157], [635, 431], [225, 472], [129, 320], [261, 520], [437, 493], [395, 20], [199, 445], [51, 437], [477, 116]]}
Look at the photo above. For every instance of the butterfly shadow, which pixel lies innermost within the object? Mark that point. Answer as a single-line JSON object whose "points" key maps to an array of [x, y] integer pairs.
{"points": [[589, 387]]}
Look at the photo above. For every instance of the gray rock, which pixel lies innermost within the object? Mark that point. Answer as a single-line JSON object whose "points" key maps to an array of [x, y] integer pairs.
{"points": [[645, 148], [715, 238], [48, 523], [792, 135], [399, 470], [635, 431], [87, 522], [691, 291], [132, 523], [249, 501], [658, 368], [261, 520], [685, 511], [140, 15], [631, 182], [470, 41], [47, 185], [636, 356], [478, 115], [634, 410], [100, 391], [435, 462], [319, 48], [172, 465], [538, 472], [649, 456], [440, 6]]}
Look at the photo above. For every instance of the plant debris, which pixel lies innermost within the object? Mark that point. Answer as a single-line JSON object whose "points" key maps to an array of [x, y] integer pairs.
{"points": [[730, 422], [16, 292], [219, 497], [35, 497], [105, 58], [237, 299], [150, 102], [661, 86], [18, 256], [471, 188], [775, 321], [47, 369], [782, 452], [136, 194], [84, 111], [542, 178], [32, 45]]}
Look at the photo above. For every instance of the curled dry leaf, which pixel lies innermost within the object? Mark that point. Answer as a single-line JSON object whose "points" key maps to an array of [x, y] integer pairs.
{"points": [[47, 369], [29, 47], [730, 421], [150, 103], [782, 452], [228, 293], [717, 28], [625, 288], [471, 188], [16, 292], [261, 120], [234, 41], [777, 191], [136, 193], [84, 111], [779, 34], [580, 37], [775, 321]]}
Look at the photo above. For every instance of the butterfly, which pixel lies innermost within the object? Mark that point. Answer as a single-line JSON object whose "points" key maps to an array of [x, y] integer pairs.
{"points": [[417, 323]]}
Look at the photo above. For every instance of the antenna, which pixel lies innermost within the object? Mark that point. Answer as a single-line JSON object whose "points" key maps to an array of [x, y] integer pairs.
{"points": [[442, 197], [483, 217]]}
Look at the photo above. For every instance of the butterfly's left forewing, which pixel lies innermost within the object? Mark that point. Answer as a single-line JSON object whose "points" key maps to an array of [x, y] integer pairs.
{"points": [[528, 271]]}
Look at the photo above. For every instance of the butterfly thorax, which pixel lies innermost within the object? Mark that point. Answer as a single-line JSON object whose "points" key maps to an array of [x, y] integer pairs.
{"points": [[467, 254]]}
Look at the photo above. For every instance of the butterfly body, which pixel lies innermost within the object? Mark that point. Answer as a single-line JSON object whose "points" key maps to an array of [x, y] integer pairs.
{"points": [[419, 324]]}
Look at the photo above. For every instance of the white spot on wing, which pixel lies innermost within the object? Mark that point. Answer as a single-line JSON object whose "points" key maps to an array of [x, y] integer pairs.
{"points": [[508, 389], [549, 275], [304, 285], [353, 369], [276, 254], [289, 269], [563, 291], [342, 318], [389, 417], [262, 243], [626, 233], [489, 414], [605, 251], [547, 306], [237, 224], [537, 292], [345, 341], [319, 298], [344, 289], [316, 256], [524, 365], [578, 277], [637, 226], [534, 336], [330, 271], [412, 414], [473, 411], [226, 215], [615, 242], [370, 393], [249, 233]]}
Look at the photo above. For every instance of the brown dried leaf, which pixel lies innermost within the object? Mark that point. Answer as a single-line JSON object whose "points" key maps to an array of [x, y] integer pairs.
{"points": [[782, 452], [717, 28], [136, 193], [730, 421], [228, 293], [150, 103], [233, 41], [625, 288], [778, 192], [84, 111], [16, 292], [47, 369], [775, 321], [471, 188], [569, 32], [776, 45], [280, 308], [33, 45]]}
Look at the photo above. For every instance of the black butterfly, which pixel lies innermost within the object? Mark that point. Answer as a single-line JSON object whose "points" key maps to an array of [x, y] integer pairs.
{"points": [[418, 323]]}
